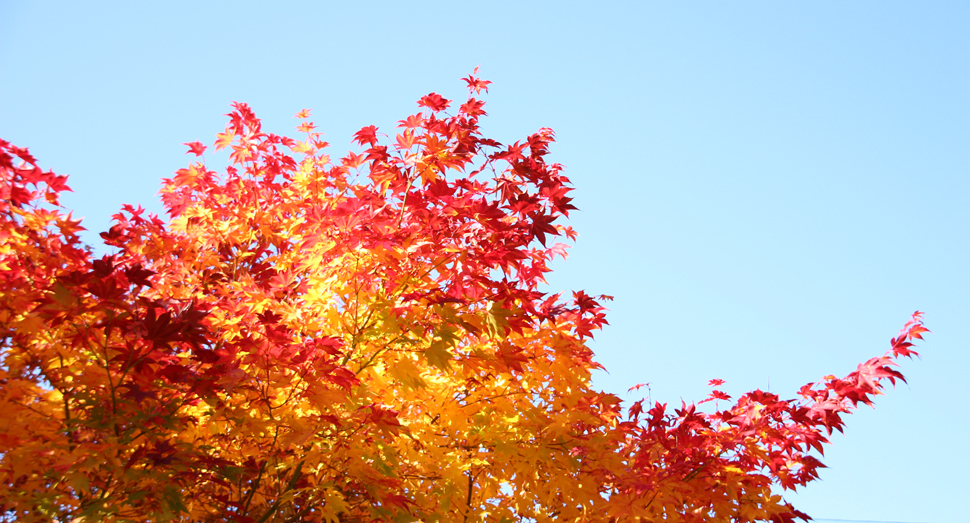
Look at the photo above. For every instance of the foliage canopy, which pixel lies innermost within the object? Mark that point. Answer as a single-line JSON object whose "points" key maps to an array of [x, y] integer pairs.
{"points": [[354, 340]]}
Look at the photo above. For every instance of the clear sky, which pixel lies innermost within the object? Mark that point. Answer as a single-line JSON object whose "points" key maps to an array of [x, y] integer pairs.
{"points": [[768, 189]]}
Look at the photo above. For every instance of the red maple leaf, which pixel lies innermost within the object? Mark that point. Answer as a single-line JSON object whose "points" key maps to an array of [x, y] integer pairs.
{"points": [[23, 154], [473, 107], [353, 160], [59, 183], [366, 135], [412, 122], [559, 248], [542, 224], [638, 386], [405, 141], [476, 84], [195, 147], [718, 395], [139, 275], [434, 101], [917, 331]]}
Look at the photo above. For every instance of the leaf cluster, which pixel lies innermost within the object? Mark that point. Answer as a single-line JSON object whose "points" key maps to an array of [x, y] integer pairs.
{"points": [[362, 339]]}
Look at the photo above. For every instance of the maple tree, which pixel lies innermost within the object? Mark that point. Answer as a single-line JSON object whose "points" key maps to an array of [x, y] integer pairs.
{"points": [[354, 340]]}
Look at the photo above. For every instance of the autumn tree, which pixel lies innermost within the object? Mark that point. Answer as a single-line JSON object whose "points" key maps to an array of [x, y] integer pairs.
{"points": [[362, 339]]}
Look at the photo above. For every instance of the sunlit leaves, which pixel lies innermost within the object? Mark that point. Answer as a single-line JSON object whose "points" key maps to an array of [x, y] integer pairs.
{"points": [[365, 340]]}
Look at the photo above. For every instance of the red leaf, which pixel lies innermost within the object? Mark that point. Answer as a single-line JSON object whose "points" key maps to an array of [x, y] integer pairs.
{"points": [[435, 102], [718, 395], [366, 135], [353, 160], [476, 84], [638, 386], [138, 275], [473, 107], [559, 248], [412, 122], [917, 330], [195, 147], [542, 224]]}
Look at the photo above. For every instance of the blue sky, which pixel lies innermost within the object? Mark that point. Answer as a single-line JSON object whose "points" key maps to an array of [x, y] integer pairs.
{"points": [[768, 189]]}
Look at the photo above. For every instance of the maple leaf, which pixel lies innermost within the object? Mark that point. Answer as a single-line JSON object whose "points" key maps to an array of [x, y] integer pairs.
{"points": [[412, 122], [366, 135], [434, 101], [353, 160], [916, 331], [195, 148], [542, 225], [638, 386], [718, 395], [405, 141], [139, 275], [473, 107], [59, 183], [558, 248], [224, 139], [476, 84]]}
